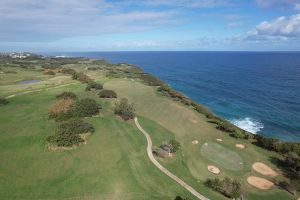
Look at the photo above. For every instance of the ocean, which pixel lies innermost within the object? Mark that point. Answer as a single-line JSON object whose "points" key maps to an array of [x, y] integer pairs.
{"points": [[257, 91]]}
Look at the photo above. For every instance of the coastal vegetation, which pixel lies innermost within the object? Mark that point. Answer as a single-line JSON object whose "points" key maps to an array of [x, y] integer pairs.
{"points": [[229, 188], [69, 133], [3, 101], [93, 86], [125, 109], [113, 158], [107, 94]]}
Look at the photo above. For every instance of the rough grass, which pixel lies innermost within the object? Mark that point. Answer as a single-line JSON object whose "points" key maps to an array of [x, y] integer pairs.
{"points": [[222, 156], [113, 164]]}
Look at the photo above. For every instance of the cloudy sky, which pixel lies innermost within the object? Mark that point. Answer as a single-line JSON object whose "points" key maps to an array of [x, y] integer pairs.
{"points": [[121, 25]]}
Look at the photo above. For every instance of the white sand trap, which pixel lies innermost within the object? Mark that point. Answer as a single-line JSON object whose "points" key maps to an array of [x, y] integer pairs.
{"points": [[240, 146], [195, 142], [260, 183], [264, 169], [220, 140], [213, 169]]}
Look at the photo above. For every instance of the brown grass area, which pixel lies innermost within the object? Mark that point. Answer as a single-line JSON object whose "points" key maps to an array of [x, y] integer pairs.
{"points": [[260, 183], [264, 169], [61, 105]]}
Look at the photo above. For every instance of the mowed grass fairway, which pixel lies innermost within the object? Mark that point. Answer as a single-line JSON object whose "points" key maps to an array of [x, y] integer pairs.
{"points": [[222, 156], [113, 164]]}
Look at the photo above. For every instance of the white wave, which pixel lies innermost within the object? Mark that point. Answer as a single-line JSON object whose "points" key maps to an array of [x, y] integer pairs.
{"points": [[248, 124]]}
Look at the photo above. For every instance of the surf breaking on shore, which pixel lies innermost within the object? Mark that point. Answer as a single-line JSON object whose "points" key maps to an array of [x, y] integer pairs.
{"points": [[248, 124]]}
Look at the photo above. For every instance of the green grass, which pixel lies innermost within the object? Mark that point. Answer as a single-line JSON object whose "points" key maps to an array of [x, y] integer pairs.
{"points": [[222, 156], [113, 164]]}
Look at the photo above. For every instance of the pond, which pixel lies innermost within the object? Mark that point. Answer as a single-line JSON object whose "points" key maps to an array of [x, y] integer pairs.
{"points": [[28, 81]]}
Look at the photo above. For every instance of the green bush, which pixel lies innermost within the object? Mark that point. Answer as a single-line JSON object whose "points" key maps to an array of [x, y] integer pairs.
{"points": [[67, 133], [93, 85], [227, 187], [175, 145], [3, 101], [107, 94], [124, 109], [49, 73], [67, 95], [86, 108], [80, 76]]}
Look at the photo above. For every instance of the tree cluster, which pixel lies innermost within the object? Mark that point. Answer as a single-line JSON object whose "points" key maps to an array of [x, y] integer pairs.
{"points": [[107, 94], [125, 109], [228, 187], [68, 133], [93, 86]]}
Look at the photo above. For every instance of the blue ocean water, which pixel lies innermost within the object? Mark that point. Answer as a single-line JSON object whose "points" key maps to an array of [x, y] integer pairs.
{"points": [[257, 91]]}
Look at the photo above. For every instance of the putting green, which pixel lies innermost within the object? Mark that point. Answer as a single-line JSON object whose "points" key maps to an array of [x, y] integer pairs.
{"points": [[222, 156]]}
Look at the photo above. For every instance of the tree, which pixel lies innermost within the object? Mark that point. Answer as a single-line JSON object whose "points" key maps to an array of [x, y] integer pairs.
{"points": [[3, 101], [175, 145], [86, 108], [124, 109], [107, 94], [93, 85], [67, 95]]}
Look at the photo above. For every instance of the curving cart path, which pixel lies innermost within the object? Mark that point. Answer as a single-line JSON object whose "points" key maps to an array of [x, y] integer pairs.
{"points": [[164, 170]]}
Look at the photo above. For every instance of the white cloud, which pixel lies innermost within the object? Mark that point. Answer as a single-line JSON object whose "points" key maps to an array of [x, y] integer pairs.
{"points": [[282, 28], [34, 20], [276, 3], [297, 6], [185, 3]]}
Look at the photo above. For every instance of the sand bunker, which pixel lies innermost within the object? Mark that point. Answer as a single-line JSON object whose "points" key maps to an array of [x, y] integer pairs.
{"points": [[220, 140], [260, 183], [195, 142], [194, 121], [264, 169], [240, 146], [213, 169]]}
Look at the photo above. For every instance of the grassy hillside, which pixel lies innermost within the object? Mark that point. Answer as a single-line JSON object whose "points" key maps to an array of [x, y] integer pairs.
{"points": [[113, 164]]}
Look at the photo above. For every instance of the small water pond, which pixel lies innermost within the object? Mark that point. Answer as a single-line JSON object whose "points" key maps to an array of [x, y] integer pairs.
{"points": [[28, 81]]}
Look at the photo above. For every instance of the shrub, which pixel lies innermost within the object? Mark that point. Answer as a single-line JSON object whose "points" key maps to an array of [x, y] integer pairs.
{"points": [[180, 198], [93, 85], [49, 73], [3, 101], [10, 72], [61, 108], [67, 133], [124, 109], [151, 80], [81, 77], [175, 145], [107, 94], [229, 188], [86, 108], [67, 95]]}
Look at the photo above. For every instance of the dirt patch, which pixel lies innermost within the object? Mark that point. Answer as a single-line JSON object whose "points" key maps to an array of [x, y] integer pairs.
{"points": [[260, 183], [219, 140], [194, 121], [213, 169], [195, 142], [240, 146], [264, 169]]}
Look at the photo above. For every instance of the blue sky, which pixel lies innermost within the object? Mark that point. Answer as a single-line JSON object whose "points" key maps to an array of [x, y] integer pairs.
{"points": [[146, 25]]}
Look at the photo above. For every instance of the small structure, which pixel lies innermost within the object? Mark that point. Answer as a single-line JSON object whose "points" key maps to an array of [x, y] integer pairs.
{"points": [[161, 153]]}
